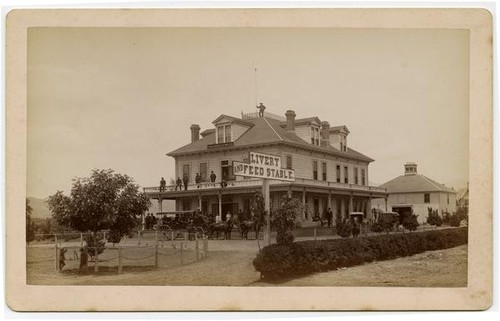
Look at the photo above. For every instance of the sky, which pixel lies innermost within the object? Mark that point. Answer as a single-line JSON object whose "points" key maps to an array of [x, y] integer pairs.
{"points": [[122, 98]]}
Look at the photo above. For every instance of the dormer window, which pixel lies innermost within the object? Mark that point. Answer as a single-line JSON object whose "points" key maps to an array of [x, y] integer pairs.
{"points": [[223, 134], [315, 135]]}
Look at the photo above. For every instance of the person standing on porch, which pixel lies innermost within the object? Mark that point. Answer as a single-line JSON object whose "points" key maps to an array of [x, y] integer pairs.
{"points": [[213, 177], [329, 216]]}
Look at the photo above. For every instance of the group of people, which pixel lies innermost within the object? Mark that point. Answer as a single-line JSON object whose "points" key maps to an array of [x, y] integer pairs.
{"points": [[150, 221], [184, 182], [84, 259]]}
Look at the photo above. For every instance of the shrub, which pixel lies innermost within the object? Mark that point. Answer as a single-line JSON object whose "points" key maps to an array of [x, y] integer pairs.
{"points": [[343, 228], [433, 217], [410, 222], [377, 227], [454, 220], [300, 258]]}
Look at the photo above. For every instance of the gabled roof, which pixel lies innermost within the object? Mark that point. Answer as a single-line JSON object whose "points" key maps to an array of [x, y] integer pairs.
{"points": [[265, 131], [339, 128], [414, 183], [307, 120], [232, 119], [207, 132]]}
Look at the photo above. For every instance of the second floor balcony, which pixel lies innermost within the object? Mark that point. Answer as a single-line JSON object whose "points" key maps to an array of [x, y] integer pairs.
{"points": [[171, 190]]}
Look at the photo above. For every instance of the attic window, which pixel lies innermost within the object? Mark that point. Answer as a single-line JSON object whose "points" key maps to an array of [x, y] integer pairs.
{"points": [[223, 134], [315, 135]]}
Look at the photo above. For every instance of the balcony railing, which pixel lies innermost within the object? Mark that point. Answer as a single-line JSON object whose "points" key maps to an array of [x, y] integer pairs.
{"points": [[257, 182]]}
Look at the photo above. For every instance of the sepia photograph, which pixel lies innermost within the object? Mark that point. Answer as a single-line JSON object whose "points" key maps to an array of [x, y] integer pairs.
{"points": [[252, 158]]}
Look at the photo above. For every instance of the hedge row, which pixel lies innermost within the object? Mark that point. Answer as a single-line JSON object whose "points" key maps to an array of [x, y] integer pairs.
{"points": [[300, 258]]}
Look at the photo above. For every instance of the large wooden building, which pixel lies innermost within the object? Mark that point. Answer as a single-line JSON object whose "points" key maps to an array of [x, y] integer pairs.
{"points": [[414, 192], [329, 174]]}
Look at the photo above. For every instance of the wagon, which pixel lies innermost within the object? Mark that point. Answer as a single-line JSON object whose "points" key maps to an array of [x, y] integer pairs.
{"points": [[179, 224]]}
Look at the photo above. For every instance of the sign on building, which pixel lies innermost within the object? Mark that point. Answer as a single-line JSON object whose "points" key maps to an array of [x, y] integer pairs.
{"points": [[263, 166]]}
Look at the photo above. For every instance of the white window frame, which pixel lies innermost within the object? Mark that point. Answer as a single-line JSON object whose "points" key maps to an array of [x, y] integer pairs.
{"points": [[224, 138]]}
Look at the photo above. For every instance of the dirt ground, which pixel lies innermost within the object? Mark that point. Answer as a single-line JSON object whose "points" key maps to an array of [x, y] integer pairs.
{"points": [[229, 263]]}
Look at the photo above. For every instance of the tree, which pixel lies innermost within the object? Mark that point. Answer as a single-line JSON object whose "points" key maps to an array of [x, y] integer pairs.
{"points": [[285, 219], [258, 213], [30, 226], [105, 200]]}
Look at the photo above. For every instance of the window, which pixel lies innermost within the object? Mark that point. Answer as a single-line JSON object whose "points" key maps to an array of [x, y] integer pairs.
{"points": [[203, 171], [323, 170], [315, 135], [346, 175], [427, 198], [227, 133], [338, 174], [363, 177], [356, 179], [185, 172], [289, 162], [223, 134], [315, 170], [226, 171], [220, 134]]}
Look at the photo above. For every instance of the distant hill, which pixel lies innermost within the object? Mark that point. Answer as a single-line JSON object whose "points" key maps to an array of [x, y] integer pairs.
{"points": [[40, 208]]}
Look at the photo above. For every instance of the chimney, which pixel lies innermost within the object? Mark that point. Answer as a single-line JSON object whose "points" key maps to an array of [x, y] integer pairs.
{"points": [[325, 134], [411, 168], [290, 120], [195, 132]]}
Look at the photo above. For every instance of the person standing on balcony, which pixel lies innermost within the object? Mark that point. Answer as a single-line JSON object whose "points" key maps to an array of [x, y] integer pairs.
{"points": [[185, 181], [163, 184], [178, 183], [261, 108], [213, 177], [197, 179]]}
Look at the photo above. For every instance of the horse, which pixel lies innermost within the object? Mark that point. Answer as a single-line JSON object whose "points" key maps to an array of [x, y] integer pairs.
{"points": [[224, 227], [249, 225]]}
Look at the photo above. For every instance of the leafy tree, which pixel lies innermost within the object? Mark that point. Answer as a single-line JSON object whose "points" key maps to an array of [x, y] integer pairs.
{"points": [[30, 226], [455, 220], [258, 212], [105, 200], [285, 219]]}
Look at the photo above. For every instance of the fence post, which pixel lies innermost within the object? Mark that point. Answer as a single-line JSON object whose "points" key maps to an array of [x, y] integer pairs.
{"points": [[81, 239], [172, 237], [197, 253], [156, 237], [182, 257], [56, 257], [55, 238], [314, 234], [96, 259], [138, 237], [104, 237], [119, 260], [156, 256], [206, 247]]}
